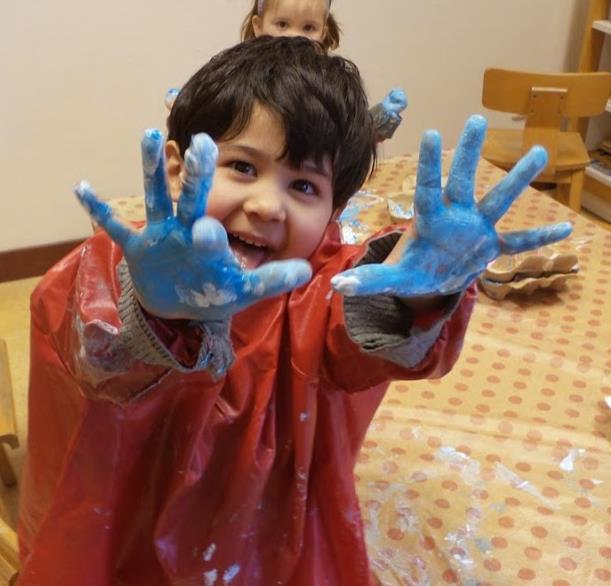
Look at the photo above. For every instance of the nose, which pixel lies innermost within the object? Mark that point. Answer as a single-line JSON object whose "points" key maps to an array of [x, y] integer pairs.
{"points": [[267, 202]]}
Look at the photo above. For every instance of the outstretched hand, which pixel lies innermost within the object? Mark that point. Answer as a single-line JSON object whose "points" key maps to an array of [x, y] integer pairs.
{"points": [[181, 264], [454, 238], [395, 101]]}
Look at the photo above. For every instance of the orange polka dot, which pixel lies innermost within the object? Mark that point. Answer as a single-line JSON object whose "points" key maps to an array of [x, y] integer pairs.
{"points": [[390, 467], [464, 450], [573, 542], [433, 442], [605, 552], [545, 511], [442, 503], [427, 543], [526, 574], [550, 492], [506, 522], [523, 466], [512, 501], [435, 522], [449, 485], [419, 476], [492, 565], [583, 502], [406, 433], [449, 577], [540, 532], [567, 564], [533, 553], [499, 542], [603, 574], [412, 494], [395, 534], [561, 583], [578, 520]]}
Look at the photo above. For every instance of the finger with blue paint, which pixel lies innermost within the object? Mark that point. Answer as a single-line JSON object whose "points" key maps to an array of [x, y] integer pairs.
{"points": [[181, 265], [454, 237], [170, 97], [395, 101]]}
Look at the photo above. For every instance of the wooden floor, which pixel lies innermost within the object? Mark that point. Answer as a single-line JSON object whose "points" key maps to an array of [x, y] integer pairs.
{"points": [[14, 325]]}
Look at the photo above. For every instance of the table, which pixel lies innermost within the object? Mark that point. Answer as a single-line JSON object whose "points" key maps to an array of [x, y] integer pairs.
{"points": [[499, 473]]}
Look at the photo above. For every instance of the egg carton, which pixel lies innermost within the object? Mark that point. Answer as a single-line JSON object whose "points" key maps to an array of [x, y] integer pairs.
{"points": [[526, 286], [542, 262]]}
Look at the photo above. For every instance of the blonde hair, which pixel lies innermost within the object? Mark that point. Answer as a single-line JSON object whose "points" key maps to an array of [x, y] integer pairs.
{"points": [[329, 42]]}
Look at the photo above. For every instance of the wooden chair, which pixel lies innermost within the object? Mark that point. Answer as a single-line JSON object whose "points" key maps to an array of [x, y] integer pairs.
{"points": [[8, 426], [9, 558], [547, 101]]}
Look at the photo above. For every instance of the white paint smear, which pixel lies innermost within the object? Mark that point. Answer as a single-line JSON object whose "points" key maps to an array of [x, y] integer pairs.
{"points": [[231, 573], [210, 296]]}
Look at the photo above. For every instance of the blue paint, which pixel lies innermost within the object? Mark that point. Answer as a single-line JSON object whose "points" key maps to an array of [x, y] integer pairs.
{"points": [[395, 101], [181, 265], [455, 237], [170, 97]]}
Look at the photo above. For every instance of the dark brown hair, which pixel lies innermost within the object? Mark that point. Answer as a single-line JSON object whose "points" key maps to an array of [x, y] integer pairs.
{"points": [[330, 41], [318, 99]]}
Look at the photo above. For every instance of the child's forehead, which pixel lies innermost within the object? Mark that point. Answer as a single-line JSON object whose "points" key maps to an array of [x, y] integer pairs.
{"points": [[297, 6]]}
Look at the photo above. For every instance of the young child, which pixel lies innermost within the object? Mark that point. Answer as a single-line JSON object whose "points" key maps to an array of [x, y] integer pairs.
{"points": [[288, 18], [198, 393], [313, 19]]}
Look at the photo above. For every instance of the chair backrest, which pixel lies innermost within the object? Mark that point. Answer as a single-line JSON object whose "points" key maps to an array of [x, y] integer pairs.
{"points": [[546, 99], [507, 90]]}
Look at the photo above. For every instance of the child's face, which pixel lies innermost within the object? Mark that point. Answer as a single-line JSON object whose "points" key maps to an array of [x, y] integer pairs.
{"points": [[293, 18], [271, 211]]}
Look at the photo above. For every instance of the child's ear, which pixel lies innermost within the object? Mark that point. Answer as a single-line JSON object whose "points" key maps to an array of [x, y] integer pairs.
{"points": [[174, 166], [256, 25]]}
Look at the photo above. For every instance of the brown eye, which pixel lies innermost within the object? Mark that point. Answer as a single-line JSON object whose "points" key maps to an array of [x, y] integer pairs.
{"points": [[244, 168], [303, 186]]}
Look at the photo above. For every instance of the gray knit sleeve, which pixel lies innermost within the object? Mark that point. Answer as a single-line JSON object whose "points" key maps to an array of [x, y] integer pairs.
{"points": [[383, 325], [384, 122], [215, 354]]}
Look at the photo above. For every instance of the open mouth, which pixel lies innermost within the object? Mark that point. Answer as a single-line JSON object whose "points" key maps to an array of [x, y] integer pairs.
{"points": [[249, 253]]}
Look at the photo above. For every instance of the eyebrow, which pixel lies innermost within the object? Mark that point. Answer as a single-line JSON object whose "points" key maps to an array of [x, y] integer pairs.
{"points": [[307, 165]]}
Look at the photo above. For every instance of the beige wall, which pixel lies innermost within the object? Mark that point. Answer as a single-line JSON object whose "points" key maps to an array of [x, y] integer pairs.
{"points": [[81, 80]]}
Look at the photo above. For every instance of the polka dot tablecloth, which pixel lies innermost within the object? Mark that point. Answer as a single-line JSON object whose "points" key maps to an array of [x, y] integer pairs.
{"points": [[499, 473]]}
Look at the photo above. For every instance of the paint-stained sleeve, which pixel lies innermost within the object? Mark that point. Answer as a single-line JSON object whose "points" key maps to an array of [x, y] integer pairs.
{"points": [[384, 122], [392, 341], [87, 330], [158, 342]]}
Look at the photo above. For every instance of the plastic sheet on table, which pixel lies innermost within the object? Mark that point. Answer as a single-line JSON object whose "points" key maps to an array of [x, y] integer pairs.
{"points": [[354, 227]]}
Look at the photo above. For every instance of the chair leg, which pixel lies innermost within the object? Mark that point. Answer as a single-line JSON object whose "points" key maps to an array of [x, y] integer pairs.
{"points": [[575, 190], [7, 473]]}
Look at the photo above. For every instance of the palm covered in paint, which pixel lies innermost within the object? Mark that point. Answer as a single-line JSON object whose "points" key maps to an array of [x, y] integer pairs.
{"points": [[181, 265], [454, 237]]}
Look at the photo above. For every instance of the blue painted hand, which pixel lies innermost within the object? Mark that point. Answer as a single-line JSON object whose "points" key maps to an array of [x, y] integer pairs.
{"points": [[181, 264], [395, 101], [454, 237]]}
